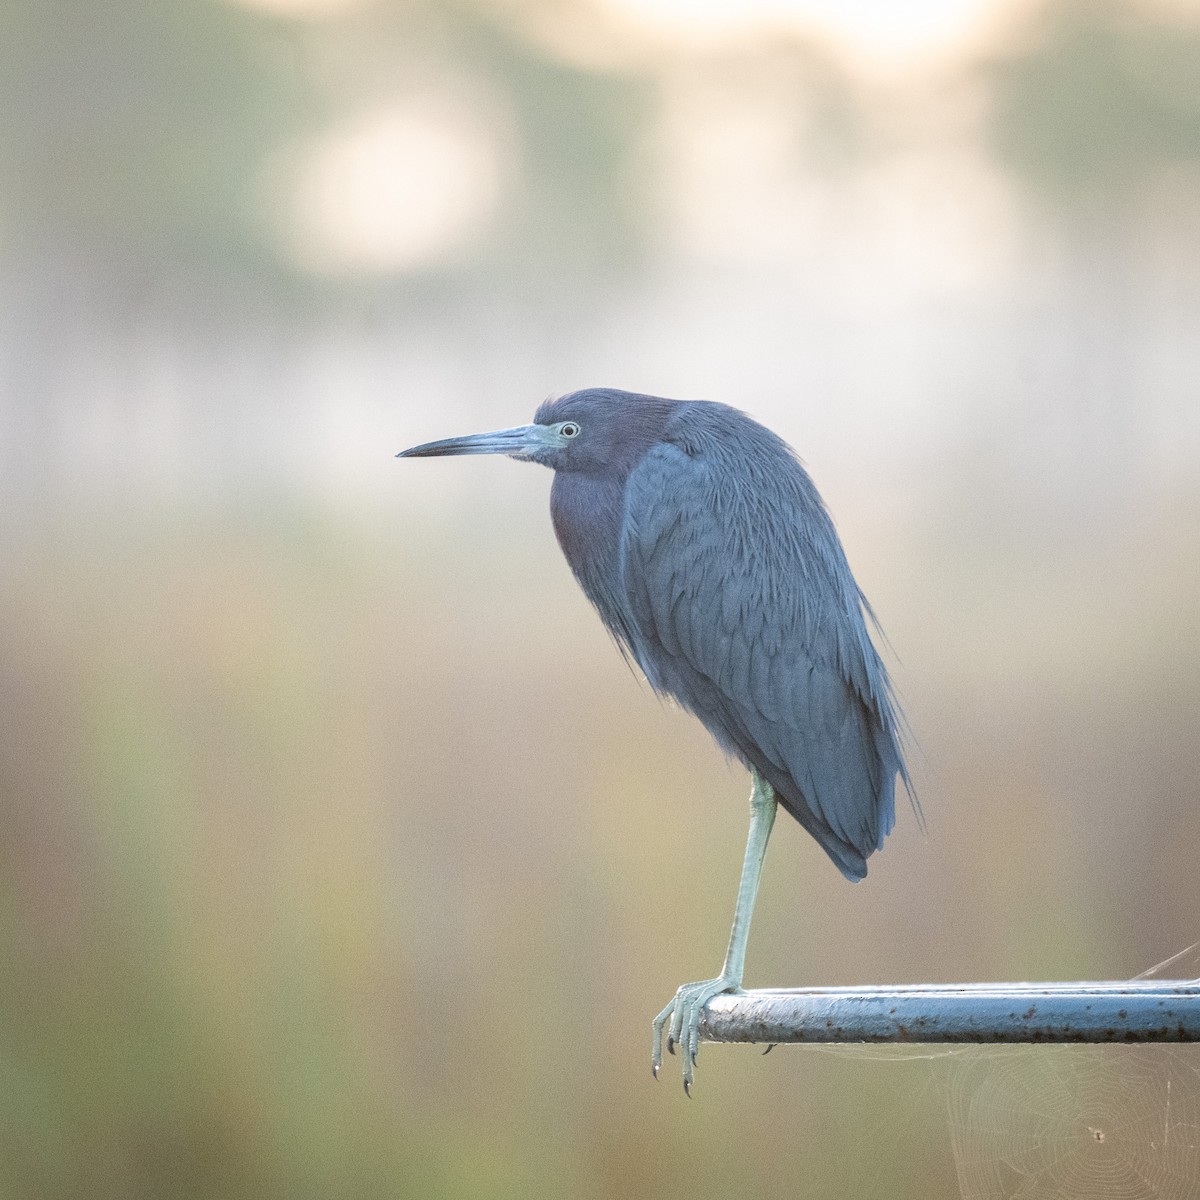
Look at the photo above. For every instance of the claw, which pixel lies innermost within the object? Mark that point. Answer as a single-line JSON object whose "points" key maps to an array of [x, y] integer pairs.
{"points": [[683, 1018], [687, 1088], [770, 1048]]}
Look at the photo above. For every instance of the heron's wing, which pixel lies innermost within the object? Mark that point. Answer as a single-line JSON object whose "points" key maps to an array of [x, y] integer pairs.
{"points": [[747, 614]]}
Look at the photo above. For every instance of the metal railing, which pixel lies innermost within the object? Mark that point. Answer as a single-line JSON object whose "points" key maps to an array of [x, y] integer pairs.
{"points": [[1160, 1010]]}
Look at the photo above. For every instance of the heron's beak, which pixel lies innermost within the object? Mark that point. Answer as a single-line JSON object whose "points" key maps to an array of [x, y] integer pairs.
{"points": [[519, 442]]}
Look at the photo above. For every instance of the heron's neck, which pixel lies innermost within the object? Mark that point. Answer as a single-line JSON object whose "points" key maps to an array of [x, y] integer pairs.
{"points": [[587, 512]]}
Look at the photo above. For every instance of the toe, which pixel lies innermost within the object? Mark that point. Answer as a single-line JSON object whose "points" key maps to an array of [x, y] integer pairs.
{"points": [[678, 1014], [657, 1038], [680, 1021]]}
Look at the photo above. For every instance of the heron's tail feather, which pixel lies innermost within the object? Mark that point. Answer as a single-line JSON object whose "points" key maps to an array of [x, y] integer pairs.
{"points": [[848, 859]]}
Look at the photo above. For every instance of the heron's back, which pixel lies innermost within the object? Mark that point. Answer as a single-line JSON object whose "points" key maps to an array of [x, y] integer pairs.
{"points": [[736, 599]]}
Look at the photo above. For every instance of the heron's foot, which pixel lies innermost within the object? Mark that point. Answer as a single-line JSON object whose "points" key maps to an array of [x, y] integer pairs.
{"points": [[681, 1021]]}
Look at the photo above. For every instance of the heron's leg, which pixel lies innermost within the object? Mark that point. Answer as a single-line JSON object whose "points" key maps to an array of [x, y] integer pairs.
{"points": [[687, 1005]]}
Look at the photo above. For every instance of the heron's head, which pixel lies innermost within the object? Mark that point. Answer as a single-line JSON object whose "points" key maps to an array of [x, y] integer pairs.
{"points": [[597, 431]]}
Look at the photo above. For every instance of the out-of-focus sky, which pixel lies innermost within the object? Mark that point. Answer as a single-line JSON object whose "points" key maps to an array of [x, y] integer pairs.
{"points": [[340, 855]]}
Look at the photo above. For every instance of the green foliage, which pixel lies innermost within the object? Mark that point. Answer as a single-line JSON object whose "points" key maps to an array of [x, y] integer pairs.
{"points": [[140, 128], [1099, 98]]}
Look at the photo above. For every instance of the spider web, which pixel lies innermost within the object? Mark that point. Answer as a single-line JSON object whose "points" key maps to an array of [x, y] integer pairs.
{"points": [[1079, 1122]]}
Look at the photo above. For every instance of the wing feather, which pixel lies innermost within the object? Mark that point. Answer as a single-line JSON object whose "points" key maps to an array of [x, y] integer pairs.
{"points": [[746, 613]]}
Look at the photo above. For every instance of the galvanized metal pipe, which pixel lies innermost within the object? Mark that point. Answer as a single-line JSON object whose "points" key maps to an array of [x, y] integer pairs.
{"points": [[1119, 1011]]}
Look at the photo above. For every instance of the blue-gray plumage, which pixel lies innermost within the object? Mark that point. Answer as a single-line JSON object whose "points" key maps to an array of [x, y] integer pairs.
{"points": [[710, 557]]}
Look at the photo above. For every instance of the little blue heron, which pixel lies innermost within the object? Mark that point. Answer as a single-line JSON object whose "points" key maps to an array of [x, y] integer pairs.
{"points": [[710, 557]]}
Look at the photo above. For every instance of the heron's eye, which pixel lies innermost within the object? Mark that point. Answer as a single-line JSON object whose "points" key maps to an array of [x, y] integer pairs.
{"points": [[569, 429]]}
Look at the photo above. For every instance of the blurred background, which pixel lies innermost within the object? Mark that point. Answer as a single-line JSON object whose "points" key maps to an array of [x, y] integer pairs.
{"points": [[340, 855]]}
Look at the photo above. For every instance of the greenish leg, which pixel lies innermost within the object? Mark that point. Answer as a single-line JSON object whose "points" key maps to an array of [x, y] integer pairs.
{"points": [[687, 1005]]}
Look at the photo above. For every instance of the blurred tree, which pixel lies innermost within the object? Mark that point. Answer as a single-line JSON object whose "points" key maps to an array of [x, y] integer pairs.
{"points": [[136, 140], [142, 128], [579, 207], [138, 129], [1093, 112], [571, 213], [1101, 98], [132, 140]]}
